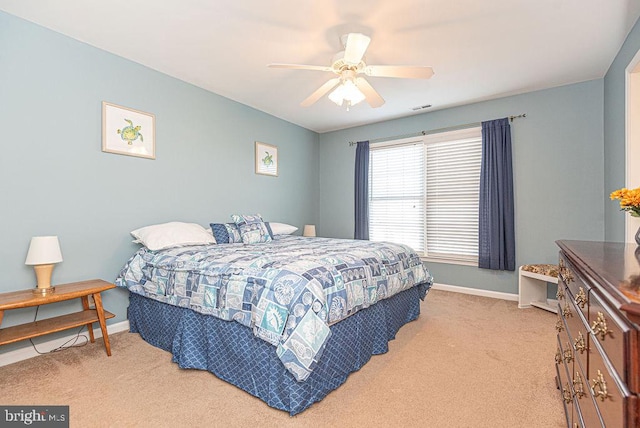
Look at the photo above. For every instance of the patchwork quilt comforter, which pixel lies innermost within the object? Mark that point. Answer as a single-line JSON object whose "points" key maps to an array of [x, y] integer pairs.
{"points": [[289, 291]]}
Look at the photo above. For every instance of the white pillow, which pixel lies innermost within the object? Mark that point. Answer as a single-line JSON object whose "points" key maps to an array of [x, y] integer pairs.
{"points": [[282, 229], [173, 234]]}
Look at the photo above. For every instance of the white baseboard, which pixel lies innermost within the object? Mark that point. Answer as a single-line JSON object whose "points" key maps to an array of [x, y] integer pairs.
{"points": [[475, 292], [28, 351]]}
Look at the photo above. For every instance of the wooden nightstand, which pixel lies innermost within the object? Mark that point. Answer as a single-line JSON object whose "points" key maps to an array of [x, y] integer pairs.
{"points": [[82, 290]]}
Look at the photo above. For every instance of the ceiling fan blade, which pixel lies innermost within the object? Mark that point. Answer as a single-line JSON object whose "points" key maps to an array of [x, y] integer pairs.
{"points": [[355, 47], [301, 67], [319, 93], [401, 71], [373, 98]]}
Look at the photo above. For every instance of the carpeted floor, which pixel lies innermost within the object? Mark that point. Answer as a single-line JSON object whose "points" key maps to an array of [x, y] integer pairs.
{"points": [[468, 361]]}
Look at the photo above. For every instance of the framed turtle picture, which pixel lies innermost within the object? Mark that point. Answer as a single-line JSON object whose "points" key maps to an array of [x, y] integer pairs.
{"points": [[266, 159], [127, 131]]}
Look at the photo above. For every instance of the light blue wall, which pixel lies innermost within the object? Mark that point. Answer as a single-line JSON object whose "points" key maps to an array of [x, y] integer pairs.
{"points": [[614, 134], [55, 179], [558, 173]]}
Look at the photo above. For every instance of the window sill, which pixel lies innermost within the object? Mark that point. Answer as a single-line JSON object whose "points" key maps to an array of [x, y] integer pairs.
{"points": [[450, 261]]}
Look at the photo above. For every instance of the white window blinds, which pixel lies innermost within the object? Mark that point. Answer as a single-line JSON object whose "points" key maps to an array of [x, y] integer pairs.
{"points": [[396, 194], [424, 193]]}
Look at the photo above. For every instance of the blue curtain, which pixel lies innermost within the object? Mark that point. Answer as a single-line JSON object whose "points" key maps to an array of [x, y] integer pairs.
{"points": [[496, 230], [362, 191]]}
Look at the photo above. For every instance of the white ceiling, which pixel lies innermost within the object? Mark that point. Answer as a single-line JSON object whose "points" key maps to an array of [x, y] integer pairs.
{"points": [[479, 49]]}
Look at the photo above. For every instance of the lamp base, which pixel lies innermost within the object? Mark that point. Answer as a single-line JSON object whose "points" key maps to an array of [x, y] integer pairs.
{"points": [[43, 276], [44, 291]]}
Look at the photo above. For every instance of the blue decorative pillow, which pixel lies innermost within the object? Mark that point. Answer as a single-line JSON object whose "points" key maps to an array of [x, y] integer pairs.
{"points": [[219, 232], [252, 228], [225, 233], [233, 232]]}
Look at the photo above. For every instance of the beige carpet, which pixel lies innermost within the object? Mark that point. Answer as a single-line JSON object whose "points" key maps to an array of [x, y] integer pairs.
{"points": [[468, 361]]}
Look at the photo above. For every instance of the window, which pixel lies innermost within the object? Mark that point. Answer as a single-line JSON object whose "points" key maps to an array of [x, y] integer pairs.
{"points": [[424, 192]]}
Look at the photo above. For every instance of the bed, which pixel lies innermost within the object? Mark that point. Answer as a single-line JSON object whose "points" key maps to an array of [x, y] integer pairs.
{"points": [[286, 320]]}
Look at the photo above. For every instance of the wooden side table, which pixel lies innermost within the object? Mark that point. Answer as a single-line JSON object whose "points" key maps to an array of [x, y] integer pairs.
{"points": [[82, 290]]}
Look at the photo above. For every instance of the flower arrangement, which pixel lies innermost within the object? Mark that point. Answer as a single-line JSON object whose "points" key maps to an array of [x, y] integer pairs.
{"points": [[629, 200]]}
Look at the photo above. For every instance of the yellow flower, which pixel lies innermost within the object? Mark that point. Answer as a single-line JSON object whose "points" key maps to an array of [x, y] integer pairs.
{"points": [[618, 194], [629, 200]]}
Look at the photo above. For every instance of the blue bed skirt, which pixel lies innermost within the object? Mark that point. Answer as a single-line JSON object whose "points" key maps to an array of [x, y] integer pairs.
{"points": [[231, 351]]}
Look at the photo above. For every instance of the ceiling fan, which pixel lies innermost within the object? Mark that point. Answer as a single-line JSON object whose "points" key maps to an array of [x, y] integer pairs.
{"points": [[349, 88]]}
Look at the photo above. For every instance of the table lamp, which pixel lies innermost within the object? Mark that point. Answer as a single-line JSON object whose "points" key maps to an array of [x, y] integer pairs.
{"points": [[44, 252], [309, 230]]}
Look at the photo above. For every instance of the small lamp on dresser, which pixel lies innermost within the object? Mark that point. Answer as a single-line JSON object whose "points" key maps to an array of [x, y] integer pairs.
{"points": [[44, 252], [309, 230]]}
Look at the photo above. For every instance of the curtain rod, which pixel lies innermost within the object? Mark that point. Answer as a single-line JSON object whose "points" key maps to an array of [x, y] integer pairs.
{"points": [[435, 131]]}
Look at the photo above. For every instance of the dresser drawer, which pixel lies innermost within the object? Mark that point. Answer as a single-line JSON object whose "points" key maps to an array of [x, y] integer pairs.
{"points": [[583, 399], [566, 393], [576, 284], [567, 352], [614, 336], [575, 389], [611, 397], [577, 331]]}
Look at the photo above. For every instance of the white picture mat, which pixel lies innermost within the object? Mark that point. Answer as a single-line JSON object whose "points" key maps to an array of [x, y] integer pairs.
{"points": [[113, 119], [263, 151]]}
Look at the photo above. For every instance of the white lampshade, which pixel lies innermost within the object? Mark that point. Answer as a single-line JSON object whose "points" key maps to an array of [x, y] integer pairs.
{"points": [[347, 92], [44, 250], [309, 230]]}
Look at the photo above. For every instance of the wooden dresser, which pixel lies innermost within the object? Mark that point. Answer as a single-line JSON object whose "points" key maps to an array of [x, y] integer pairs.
{"points": [[598, 354]]}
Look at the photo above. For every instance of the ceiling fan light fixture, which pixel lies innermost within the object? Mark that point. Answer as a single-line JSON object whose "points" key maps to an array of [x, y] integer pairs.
{"points": [[348, 88], [347, 92]]}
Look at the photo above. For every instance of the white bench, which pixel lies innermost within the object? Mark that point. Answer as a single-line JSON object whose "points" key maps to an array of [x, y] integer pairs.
{"points": [[532, 286]]}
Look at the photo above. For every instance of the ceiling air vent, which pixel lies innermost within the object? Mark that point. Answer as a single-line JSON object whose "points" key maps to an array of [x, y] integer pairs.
{"points": [[421, 107]]}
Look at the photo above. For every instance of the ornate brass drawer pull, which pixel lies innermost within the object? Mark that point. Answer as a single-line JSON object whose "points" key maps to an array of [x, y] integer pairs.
{"points": [[599, 387], [579, 343], [558, 356], [599, 327], [566, 311], [578, 386], [559, 326], [568, 276], [566, 394], [564, 273], [560, 292], [581, 298], [568, 355]]}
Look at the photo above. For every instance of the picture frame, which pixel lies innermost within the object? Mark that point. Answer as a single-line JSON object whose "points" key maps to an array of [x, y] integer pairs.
{"points": [[126, 131], [266, 159]]}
